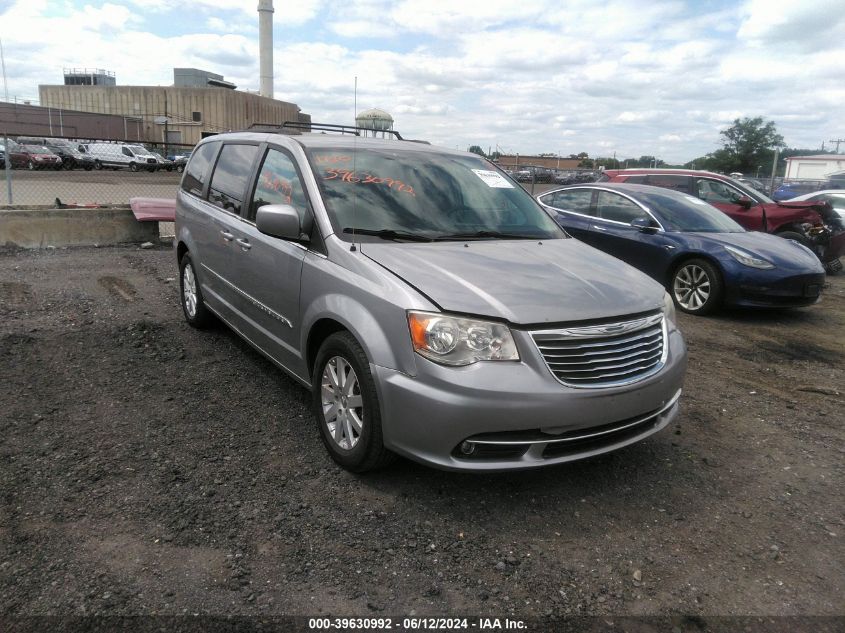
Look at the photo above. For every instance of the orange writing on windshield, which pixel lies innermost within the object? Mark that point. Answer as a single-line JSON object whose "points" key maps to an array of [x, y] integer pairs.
{"points": [[363, 178], [322, 159]]}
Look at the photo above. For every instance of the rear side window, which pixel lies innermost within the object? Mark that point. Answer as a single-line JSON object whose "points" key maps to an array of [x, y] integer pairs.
{"points": [[676, 183], [231, 174], [636, 180], [577, 200], [612, 206], [196, 171]]}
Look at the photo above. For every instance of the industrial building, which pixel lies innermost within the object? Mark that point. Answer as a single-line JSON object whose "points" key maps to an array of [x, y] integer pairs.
{"points": [[196, 106]]}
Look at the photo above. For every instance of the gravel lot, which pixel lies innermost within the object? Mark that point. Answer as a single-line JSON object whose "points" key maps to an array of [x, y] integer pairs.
{"points": [[150, 468]]}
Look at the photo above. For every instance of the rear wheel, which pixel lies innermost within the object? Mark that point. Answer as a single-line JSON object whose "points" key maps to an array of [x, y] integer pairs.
{"points": [[196, 314], [697, 287], [98, 164], [346, 405]]}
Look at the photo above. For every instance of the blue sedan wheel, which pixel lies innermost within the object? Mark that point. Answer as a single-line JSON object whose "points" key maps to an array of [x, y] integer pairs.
{"points": [[697, 287]]}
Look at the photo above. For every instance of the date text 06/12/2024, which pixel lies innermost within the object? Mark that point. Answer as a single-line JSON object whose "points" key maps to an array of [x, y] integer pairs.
{"points": [[415, 624]]}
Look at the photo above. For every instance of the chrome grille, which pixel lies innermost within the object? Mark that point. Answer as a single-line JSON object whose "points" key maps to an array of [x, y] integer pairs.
{"points": [[605, 355]]}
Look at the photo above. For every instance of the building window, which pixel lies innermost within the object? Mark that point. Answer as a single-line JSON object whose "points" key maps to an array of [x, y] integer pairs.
{"points": [[196, 116]]}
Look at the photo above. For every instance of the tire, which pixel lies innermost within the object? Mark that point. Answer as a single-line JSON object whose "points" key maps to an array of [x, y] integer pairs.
{"points": [[697, 287], [98, 165], [196, 314], [795, 235], [180, 169], [359, 446], [133, 167], [30, 166]]}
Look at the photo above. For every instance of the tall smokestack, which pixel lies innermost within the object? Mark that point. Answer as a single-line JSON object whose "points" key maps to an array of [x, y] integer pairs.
{"points": [[265, 46]]}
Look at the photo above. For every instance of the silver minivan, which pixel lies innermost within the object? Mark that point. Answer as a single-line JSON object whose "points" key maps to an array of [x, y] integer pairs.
{"points": [[431, 306]]}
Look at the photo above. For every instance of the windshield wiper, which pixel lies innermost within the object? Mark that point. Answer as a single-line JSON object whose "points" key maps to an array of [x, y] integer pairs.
{"points": [[390, 234], [478, 235]]}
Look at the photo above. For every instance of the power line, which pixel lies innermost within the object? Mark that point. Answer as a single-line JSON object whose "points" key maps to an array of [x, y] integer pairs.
{"points": [[837, 142]]}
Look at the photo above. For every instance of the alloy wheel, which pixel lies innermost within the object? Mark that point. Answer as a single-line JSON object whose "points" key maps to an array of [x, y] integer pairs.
{"points": [[342, 402], [691, 287], [189, 290]]}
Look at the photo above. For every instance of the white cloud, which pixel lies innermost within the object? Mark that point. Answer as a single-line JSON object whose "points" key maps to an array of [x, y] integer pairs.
{"points": [[623, 75]]}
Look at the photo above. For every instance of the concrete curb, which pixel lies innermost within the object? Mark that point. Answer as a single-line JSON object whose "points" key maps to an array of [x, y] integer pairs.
{"points": [[40, 227]]}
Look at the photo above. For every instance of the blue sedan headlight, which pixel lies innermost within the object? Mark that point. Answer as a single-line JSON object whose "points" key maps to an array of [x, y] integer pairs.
{"points": [[748, 259]]}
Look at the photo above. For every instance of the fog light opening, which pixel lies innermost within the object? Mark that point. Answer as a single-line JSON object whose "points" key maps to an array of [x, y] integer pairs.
{"points": [[467, 448]]}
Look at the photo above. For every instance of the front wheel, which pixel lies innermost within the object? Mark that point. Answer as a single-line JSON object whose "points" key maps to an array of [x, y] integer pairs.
{"points": [[180, 169], [697, 287], [30, 166], [196, 314], [346, 405], [133, 167]]}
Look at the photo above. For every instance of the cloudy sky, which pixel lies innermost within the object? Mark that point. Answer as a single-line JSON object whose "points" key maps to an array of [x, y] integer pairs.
{"points": [[626, 76]]}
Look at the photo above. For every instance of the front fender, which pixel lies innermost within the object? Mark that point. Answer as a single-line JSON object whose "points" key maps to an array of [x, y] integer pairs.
{"points": [[384, 336]]}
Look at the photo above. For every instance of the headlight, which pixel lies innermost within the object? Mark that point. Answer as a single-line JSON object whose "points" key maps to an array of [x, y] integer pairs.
{"points": [[451, 340], [669, 308], [746, 258]]}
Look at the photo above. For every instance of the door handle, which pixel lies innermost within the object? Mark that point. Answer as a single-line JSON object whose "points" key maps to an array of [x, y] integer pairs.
{"points": [[599, 228], [244, 243], [227, 236]]}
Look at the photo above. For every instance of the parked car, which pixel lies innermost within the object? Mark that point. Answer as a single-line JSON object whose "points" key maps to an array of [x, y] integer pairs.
{"points": [[121, 155], [431, 306], [162, 162], [752, 183], [180, 160], [793, 189], [813, 224], [71, 157], [704, 258], [523, 174], [34, 157], [834, 197]]}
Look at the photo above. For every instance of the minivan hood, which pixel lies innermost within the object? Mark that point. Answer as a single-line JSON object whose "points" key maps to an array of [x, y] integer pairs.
{"points": [[524, 282]]}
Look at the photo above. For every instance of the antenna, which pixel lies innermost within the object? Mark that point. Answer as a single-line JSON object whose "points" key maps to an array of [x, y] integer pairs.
{"points": [[354, 156], [3, 63]]}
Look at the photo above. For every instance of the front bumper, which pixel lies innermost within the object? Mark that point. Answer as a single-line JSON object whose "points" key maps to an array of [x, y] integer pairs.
{"points": [[501, 404], [776, 290]]}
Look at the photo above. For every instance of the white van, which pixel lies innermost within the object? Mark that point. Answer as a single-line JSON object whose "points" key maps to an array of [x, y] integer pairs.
{"points": [[118, 155]]}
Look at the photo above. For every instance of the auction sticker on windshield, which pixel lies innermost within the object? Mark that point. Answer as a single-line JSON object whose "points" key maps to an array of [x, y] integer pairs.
{"points": [[493, 178]]}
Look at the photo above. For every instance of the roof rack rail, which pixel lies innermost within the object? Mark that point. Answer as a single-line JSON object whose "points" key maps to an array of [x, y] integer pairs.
{"points": [[324, 127]]}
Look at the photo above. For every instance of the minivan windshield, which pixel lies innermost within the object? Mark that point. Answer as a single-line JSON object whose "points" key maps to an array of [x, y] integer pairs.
{"points": [[389, 194]]}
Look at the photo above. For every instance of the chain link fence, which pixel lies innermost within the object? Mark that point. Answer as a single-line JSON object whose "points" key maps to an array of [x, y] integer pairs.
{"points": [[63, 172]]}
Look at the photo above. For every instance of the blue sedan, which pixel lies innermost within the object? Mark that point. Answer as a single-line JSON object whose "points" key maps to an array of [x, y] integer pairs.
{"points": [[703, 257]]}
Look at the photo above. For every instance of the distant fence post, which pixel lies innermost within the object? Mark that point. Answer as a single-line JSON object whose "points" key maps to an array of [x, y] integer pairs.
{"points": [[8, 165]]}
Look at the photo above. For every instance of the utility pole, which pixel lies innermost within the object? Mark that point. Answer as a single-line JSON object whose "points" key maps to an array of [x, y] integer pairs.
{"points": [[6, 147], [837, 142]]}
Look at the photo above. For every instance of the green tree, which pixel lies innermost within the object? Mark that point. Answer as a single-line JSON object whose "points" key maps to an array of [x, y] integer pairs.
{"points": [[747, 144], [475, 149]]}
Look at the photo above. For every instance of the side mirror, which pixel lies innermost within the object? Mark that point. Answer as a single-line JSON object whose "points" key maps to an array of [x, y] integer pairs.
{"points": [[644, 225], [745, 201], [279, 220]]}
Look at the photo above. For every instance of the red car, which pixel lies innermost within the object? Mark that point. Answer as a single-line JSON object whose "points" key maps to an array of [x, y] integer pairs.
{"points": [[34, 157], [814, 224]]}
